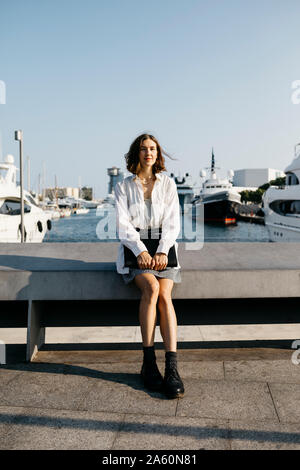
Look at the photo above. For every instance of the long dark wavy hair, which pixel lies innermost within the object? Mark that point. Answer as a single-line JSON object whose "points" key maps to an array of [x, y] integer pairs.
{"points": [[132, 157]]}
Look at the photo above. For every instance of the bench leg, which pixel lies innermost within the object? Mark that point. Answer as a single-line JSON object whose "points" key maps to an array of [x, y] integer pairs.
{"points": [[35, 332]]}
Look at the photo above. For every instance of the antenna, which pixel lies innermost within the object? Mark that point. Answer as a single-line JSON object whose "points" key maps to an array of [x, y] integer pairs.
{"points": [[212, 166]]}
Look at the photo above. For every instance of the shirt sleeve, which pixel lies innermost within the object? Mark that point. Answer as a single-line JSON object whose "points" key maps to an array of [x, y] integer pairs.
{"points": [[126, 232], [171, 219]]}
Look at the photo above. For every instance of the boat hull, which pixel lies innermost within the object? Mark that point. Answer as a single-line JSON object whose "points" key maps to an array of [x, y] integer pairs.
{"points": [[35, 228], [280, 233], [282, 226], [221, 212]]}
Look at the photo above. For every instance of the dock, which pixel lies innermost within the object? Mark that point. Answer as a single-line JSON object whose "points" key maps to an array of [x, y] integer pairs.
{"points": [[251, 213]]}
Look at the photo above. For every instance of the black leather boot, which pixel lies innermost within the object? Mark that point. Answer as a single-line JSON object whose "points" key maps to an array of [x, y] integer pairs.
{"points": [[150, 374], [172, 383]]}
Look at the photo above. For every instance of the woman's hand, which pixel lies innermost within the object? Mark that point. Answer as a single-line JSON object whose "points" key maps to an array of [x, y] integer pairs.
{"points": [[161, 261], [145, 260]]}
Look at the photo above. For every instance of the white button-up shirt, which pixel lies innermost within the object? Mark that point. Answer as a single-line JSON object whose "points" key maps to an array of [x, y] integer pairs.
{"points": [[130, 213]]}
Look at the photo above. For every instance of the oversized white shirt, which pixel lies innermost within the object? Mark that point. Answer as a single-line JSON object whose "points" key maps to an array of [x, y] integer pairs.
{"points": [[130, 213]]}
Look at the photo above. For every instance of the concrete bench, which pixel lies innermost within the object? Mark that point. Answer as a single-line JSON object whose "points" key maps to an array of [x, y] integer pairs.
{"points": [[76, 284]]}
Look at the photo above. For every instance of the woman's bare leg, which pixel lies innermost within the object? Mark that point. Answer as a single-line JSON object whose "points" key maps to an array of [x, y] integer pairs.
{"points": [[172, 384], [149, 287], [168, 321]]}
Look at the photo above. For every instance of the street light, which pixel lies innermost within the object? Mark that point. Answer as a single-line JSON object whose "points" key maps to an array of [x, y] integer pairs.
{"points": [[19, 138]]}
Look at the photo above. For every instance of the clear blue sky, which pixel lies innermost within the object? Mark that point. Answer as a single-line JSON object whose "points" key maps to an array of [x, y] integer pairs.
{"points": [[84, 78]]}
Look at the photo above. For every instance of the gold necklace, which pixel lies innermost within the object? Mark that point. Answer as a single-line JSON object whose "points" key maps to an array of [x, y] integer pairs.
{"points": [[145, 181]]}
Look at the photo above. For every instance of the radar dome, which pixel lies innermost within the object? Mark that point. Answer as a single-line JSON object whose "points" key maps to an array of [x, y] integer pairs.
{"points": [[9, 159], [230, 173], [202, 173]]}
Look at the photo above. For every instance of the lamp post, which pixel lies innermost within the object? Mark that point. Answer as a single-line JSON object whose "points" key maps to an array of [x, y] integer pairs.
{"points": [[19, 138]]}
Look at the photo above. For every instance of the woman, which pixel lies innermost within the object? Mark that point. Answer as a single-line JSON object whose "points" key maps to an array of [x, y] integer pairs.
{"points": [[147, 199]]}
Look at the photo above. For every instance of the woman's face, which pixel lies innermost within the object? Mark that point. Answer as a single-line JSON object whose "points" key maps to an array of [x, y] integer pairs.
{"points": [[148, 153]]}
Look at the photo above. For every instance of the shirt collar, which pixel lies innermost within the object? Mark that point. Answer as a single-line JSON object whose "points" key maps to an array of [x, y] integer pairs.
{"points": [[157, 175]]}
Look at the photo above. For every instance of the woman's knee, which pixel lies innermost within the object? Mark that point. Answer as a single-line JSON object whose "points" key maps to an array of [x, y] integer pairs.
{"points": [[165, 296], [149, 288]]}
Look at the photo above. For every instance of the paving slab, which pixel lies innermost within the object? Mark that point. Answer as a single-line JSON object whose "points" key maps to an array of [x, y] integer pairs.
{"points": [[130, 354], [264, 436], [199, 370], [287, 401], [6, 375], [249, 332], [127, 398], [227, 400], [44, 390], [46, 429], [127, 334], [90, 335], [120, 372], [172, 433], [265, 371], [239, 398]]}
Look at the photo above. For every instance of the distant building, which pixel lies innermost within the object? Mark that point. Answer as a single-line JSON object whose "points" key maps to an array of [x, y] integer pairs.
{"points": [[115, 175], [53, 193], [255, 177]]}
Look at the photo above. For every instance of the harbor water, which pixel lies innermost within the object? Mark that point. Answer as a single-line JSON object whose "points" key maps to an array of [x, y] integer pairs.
{"points": [[83, 228]]}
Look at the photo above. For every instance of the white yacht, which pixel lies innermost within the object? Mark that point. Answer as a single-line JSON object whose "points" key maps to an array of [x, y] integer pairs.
{"points": [[64, 207], [109, 202], [281, 206], [77, 206], [51, 209], [220, 198], [36, 222]]}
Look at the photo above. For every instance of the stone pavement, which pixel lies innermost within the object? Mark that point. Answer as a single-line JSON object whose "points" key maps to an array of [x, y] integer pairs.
{"points": [[236, 398]]}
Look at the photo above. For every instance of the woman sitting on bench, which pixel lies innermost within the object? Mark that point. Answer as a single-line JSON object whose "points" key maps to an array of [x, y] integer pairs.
{"points": [[147, 202]]}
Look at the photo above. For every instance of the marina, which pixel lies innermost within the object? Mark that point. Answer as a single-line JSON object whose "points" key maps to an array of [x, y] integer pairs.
{"points": [[73, 219], [82, 228], [73, 215]]}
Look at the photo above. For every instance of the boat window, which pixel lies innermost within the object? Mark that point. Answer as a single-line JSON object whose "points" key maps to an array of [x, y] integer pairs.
{"points": [[13, 207], [219, 186], [295, 207], [3, 173], [30, 199], [286, 207], [291, 179]]}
